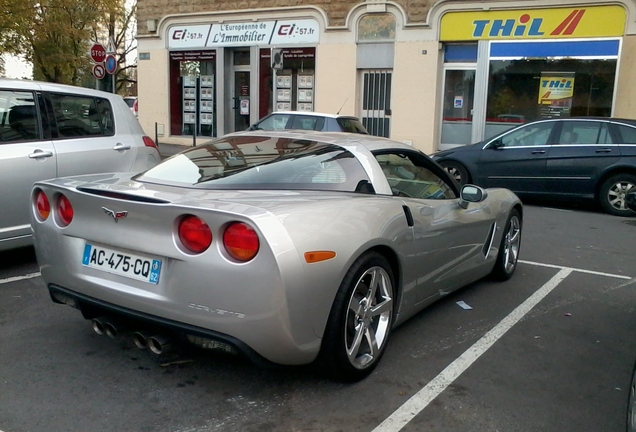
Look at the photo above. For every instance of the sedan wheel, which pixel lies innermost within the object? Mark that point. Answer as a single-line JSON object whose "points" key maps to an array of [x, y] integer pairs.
{"points": [[614, 192], [509, 249], [457, 171], [360, 320]]}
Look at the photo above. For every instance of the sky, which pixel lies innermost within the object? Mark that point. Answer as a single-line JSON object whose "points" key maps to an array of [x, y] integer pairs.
{"points": [[15, 67]]}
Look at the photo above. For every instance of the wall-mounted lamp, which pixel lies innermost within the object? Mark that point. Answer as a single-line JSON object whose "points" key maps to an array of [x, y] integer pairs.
{"points": [[151, 24]]}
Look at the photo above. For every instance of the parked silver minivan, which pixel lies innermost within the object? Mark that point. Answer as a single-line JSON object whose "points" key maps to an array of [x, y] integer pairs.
{"points": [[52, 130]]}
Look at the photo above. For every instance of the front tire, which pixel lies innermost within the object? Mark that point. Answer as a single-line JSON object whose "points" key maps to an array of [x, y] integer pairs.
{"points": [[508, 254], [360, 320], [613, 193], [457, 171]]}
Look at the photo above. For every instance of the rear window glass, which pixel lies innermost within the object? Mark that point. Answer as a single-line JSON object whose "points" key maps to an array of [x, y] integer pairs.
{"points": [[262, 163], [308, 123], [82, 116], [352, 125]]}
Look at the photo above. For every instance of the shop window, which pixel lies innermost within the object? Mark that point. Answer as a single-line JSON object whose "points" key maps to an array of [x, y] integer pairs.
{"points": [[192, 93], [289, 87], [376, 28], [527, 89]]}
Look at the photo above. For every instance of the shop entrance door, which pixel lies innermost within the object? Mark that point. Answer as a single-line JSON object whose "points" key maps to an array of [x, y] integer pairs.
{"points": [[240, 106], [457, 117], [376, 102]]}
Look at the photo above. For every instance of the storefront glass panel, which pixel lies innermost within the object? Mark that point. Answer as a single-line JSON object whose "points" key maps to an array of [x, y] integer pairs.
{"points": [[537, 80], [289, 85], [457, 119], [192, 93]]}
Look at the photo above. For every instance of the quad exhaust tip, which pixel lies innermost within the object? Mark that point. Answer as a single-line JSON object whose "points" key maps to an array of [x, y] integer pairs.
{"points": [[159, 344], [140, 339], [99, 325]]}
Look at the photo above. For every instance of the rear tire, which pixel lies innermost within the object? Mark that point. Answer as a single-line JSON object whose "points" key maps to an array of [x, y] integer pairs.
{"points": [[508, 254], [613, 192], [457, 171], [360, 320]]}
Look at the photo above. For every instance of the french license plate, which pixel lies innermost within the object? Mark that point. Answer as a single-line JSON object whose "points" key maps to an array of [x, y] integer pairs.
{"points": [[122, 263]]}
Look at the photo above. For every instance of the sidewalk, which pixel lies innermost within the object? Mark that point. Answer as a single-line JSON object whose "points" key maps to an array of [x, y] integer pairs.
{"points": [[167, 150]]}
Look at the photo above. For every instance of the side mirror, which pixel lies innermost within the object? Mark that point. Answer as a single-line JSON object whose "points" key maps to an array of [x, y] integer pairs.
{"points": [[496, 144], [471, 193]]}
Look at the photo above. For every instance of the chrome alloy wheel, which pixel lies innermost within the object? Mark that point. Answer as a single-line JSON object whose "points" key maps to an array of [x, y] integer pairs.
{"points": [[454, 173], [617, 193], [511, 244], [368, 317]]}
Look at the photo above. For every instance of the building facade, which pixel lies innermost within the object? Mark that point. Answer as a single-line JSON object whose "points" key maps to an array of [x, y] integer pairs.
{"points": [[430, 74]]}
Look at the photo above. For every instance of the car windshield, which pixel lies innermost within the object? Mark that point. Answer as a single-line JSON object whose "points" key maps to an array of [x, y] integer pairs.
{"points": [[262, 162], [129, 101]]}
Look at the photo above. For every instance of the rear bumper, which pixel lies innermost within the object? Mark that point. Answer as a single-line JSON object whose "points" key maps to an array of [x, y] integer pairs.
{"points": [[135, 320]]}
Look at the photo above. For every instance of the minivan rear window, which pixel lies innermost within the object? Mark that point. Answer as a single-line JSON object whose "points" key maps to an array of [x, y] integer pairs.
{"points": [[18, 117]]}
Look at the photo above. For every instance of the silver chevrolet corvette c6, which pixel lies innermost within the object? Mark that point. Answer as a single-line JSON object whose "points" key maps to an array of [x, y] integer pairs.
{"points": [[289, 247]]}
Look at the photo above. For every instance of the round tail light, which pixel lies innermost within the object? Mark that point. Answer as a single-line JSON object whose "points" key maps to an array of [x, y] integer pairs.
{"points": [[240, 241], [195, 234], [64, 211], [42, 205]]}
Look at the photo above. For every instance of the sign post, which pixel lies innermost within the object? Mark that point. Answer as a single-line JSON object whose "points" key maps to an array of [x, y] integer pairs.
{"points": [[111, 62]]}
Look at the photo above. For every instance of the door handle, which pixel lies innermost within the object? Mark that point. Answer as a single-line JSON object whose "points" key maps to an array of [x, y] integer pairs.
{"points": [[538, 151], [120, 146], [604, 150], [40, 154]]}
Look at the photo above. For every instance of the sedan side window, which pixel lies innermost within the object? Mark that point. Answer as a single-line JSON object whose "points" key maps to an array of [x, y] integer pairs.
{"points": [[584, 132], [536, 134], [18, 117], [408, 178]]}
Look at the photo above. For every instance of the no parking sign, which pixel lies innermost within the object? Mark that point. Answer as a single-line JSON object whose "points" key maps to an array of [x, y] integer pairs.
{"points": [[111, 64]]}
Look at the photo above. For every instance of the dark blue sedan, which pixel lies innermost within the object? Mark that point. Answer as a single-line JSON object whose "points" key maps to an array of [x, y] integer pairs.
{"points": [[590, 158]]}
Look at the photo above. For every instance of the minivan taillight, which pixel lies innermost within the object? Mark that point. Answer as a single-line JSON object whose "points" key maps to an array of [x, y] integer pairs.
{"points": [[240, 241], [42, 205], [195, 234], [148, 142], [64, 211]]}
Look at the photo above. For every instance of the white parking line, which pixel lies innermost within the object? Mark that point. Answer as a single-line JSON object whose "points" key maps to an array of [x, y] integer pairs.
{"points": [[17, 278], [437, 385], [576, 270]]}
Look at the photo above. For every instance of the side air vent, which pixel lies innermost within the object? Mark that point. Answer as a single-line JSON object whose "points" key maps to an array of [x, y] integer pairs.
{"points": [[489, 240], [122, 196]]}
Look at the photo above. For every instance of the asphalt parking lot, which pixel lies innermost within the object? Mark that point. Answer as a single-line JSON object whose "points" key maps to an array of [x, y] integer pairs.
{"points": [[550, 350]]}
